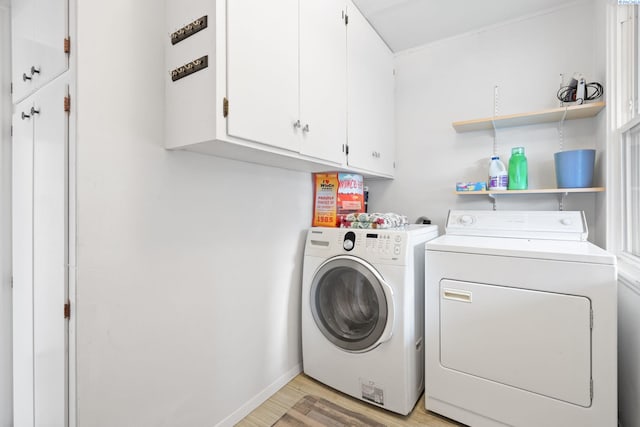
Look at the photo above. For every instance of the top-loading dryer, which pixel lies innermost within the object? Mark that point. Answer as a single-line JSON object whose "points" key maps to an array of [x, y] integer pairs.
{"points": [[520, 322], [363, 312]]}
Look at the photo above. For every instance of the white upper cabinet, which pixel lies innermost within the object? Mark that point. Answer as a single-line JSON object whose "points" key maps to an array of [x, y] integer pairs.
{"points": [[286, 79], [39, 30], [262, 64], [273, 85], [323, 79], [370, 108]]}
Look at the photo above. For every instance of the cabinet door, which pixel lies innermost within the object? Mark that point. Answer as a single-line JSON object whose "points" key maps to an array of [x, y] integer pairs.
{"points": [[39, 28], [40, 259], [50, 255], [323, 79], [22, 47], [262, 72], [370, 108], [22, 259]]}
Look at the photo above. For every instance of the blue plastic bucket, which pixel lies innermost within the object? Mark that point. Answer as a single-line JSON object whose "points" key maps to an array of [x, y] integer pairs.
{"points": [[574, 168]]}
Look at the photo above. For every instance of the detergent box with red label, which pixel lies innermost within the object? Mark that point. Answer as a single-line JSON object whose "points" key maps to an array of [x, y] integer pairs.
{"points": [[336, 194]]}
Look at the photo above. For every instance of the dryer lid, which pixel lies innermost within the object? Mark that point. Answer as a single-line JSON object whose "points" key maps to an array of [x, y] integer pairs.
{"points": [[554, 250]]}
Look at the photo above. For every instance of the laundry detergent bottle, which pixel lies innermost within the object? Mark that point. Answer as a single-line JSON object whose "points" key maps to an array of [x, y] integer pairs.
{"points": [[497, 174], [518, 170]]}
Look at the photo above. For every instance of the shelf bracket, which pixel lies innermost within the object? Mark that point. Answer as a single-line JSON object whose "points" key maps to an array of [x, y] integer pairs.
{"points": [[493, 122], [494, 200], [561, 197], [560, 87], [561, 129]]}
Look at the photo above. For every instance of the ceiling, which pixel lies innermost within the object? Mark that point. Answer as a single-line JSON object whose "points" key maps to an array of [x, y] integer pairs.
{"points": [[404, 24]]}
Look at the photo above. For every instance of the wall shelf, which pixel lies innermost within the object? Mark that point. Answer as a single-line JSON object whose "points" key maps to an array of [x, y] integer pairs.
{"points": [[536, 191], [535, 117], [561, 192]]}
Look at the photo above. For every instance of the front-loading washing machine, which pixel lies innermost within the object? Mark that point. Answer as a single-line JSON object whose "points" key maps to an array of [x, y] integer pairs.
{"points": [[363, 312], [520, 322]]}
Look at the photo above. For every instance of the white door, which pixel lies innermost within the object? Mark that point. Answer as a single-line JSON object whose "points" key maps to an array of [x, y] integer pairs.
{"points": [[22, 47], [323, 79], [262, 72], [370, 107], [40, 259], [536, 341], [39, 28], [22, 254]]}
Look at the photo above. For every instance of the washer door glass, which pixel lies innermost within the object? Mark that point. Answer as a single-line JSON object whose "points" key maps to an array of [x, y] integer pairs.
{"points": [[348, 303]]}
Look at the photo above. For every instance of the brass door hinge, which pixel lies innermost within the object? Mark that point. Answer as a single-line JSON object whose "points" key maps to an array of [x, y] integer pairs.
{"points": [[67, 103], [67, 310], [225, 107], [67, 45]]}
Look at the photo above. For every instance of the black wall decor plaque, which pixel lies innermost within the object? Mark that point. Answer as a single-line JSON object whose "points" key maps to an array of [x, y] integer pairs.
{"points": [[190, 68], [189, 30]]}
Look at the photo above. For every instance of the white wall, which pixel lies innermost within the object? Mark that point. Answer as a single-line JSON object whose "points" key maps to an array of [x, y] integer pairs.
{"points": [[454, 79], [188, 266], [6, 406]]}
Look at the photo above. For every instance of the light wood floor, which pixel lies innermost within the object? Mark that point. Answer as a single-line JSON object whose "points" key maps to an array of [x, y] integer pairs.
{"points": [[278, 404]]}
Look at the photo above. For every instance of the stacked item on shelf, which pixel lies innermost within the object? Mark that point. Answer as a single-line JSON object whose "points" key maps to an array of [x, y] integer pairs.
{"points": [[373, 220]]}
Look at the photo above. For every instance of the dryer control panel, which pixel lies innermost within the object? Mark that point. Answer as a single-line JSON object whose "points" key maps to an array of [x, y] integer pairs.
{"points": [[547, 225]]}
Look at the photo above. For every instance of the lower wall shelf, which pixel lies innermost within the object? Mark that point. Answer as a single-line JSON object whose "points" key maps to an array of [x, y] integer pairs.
{"points": [[537, 191], [561, 192]]}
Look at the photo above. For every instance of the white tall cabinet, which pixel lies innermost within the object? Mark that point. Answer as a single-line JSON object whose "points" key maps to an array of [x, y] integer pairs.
{"points": [[40, 220]]}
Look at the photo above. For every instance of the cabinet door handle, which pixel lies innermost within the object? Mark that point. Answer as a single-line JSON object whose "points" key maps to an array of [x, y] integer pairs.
{"points": [[305, 128], [34, 70], [25, 116], [296, 124], [25, 77], [34, 111]]}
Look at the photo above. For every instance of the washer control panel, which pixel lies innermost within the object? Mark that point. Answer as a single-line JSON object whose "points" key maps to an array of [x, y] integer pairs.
{"points": [[376, 244], [383, 243]]}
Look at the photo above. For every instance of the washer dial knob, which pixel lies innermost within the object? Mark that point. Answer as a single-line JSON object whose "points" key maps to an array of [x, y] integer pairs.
{"points": [[349, 241]]}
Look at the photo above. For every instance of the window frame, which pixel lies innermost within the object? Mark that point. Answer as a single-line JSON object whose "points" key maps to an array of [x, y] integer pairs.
{"points": [[624, 122]]}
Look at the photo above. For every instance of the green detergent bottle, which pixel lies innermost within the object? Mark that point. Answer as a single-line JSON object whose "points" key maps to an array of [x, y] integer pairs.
{"points": [[518, 170]]}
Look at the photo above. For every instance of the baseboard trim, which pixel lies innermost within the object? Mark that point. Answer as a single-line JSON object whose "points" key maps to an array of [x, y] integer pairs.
{"points": [[260, 398]]}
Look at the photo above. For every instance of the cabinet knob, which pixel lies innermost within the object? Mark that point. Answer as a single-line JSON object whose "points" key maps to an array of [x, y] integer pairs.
{"points": [[305, 128], [25, 116], [25, 77], [34, 111], [34, 70], [296, 124]]}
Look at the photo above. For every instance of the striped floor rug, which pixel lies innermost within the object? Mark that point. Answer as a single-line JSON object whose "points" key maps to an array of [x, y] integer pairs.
{"points": [[314, 411]]}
